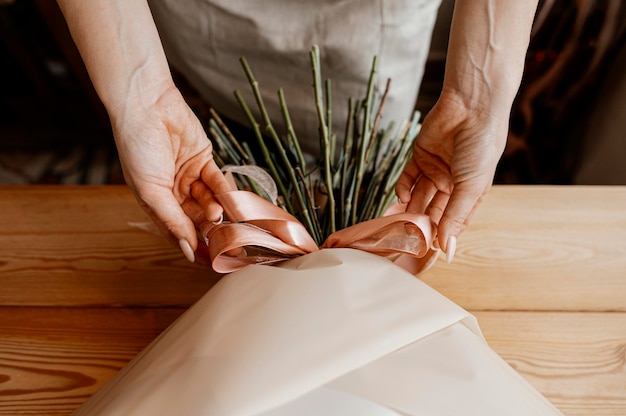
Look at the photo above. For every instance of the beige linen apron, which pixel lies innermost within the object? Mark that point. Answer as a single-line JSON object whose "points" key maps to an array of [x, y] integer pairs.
{"points": [[204, 39]]}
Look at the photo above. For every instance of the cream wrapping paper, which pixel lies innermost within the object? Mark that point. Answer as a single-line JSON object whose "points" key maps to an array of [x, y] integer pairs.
{"points": [[335, 332]]}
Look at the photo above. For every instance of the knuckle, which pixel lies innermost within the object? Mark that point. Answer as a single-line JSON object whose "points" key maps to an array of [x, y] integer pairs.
{"points": [[453, 223], [434, 211]]}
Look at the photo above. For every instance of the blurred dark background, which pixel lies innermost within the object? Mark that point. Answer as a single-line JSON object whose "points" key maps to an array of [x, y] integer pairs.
{"points": [[568, 124]]}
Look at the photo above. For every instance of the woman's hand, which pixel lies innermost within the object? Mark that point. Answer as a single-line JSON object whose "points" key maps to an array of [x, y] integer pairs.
{"points": [[167, 162], [452, 167], [463, 136], [165, 154]]}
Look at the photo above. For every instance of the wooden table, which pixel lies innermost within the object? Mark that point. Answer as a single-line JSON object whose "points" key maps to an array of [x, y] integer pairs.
{"points": [[82, 291]]}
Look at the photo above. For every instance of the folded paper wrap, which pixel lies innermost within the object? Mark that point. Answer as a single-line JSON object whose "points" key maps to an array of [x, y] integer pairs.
{"points": [[334, 332]]}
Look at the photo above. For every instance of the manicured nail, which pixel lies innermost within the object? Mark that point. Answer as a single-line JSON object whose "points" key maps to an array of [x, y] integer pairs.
{"points": [[451, 248], [186, 249], [206, 241], [221, 220]]}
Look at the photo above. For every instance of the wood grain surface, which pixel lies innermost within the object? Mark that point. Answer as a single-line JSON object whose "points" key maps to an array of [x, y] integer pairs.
{"points": [[83, 290], [541, 248], [52, 359], [89, 239]]}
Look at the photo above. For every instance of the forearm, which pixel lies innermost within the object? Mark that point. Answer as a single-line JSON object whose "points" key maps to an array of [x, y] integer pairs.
{"points": [[487, 48], [120, 46]]}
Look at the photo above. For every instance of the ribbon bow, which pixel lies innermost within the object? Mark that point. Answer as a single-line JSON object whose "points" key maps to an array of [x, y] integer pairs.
{"points": [[264, 234]]}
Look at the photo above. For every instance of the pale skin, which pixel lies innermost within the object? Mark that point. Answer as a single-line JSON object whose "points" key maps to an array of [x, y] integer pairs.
{"points": [[166, 155], [463, 136]]}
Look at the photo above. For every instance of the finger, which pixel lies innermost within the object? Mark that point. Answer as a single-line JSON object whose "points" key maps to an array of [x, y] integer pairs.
{"points": [[205, 197], [407, 180], [434, 167], [214, 178], [193, 209], [463, 202], [201, 166], [195, 212], [170, 218], [435, 210], [437, 206], [422, 193]]}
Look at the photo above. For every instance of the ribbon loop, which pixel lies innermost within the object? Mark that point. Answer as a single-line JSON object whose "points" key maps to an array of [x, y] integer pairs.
{"points": [[258, 232]]}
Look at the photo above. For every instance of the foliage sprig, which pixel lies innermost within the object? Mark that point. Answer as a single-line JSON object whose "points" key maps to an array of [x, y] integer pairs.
{"points": [[347, 185]]}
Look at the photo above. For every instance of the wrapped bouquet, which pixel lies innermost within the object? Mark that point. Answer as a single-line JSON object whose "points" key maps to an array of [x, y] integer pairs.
{"points": [[346, 199], [317, 316]]}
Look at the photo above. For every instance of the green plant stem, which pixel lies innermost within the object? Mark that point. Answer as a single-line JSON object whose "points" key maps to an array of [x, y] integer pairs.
{"points": [[344, 162], [292, 176], [317, 230], [366, 134], [222, 142], [355, 181], [329, 120], [229, 135], [351, 167], [325, 139], [291, 133], [402, 153], [379, 114], [255, 89], [246, 146], [266, 155], [269, 128]]}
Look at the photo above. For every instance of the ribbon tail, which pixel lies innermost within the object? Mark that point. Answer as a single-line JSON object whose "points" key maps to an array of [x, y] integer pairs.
{"points": [[405, 238]]}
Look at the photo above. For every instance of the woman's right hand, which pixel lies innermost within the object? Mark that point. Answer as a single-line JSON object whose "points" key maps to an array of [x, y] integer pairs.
{"points": [[167, 162], [165, 154]]}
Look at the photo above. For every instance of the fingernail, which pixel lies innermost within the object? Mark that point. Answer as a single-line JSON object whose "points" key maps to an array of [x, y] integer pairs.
{"points": [[221, 220], [186, 249], [451, 248]]}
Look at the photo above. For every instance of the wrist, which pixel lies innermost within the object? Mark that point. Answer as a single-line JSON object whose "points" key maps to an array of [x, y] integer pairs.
{"points": [[121, 48], [491, 89], [142, 93], [455, 116]]}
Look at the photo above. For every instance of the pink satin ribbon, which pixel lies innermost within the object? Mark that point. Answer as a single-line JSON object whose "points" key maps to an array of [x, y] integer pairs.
{"points": [[259, 232]]}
